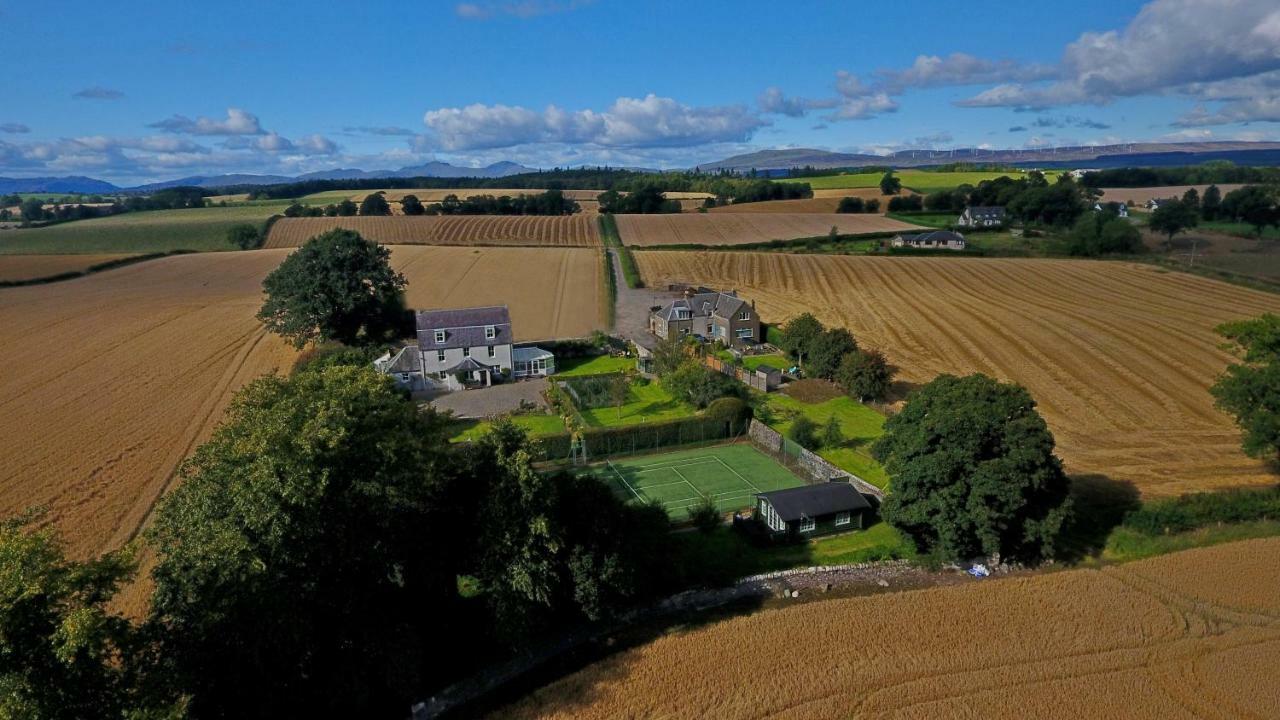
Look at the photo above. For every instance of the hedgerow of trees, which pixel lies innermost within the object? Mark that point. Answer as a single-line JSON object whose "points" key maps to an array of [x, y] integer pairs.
{"points": [[1250, 389], [33, 210], [551, 202], [833, 354], [1214, 172]]}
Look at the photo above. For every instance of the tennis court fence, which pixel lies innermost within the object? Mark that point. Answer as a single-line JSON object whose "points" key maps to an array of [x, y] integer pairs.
{"points": [[601, 443], [807, 465]]}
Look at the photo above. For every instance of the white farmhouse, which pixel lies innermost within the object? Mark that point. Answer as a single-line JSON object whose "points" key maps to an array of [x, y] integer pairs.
{"points": [[937, 240]]}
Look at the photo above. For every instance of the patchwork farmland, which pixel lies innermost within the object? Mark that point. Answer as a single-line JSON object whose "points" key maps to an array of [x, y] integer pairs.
{"points": [[200, 229], [1119, 357], [558, 231], [1180, 636], [745, 228], [29, 267]]}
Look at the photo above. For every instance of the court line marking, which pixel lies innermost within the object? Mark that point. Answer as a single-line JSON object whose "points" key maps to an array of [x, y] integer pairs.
{"points": [[735, 472], [624, 481]]}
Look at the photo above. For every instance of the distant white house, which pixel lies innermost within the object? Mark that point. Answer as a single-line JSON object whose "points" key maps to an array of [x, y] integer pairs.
{"points": [[937, 239], [1155, 203], [979, 216], [1118, 207]]}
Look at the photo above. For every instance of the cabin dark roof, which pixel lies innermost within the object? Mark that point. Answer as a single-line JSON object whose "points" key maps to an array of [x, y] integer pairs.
{"points": [[933, 236], [408, 360], [463, 327], [815, 500]]}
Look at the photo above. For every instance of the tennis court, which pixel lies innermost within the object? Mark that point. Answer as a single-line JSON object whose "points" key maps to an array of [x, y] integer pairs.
{"points": [[729, 474]]}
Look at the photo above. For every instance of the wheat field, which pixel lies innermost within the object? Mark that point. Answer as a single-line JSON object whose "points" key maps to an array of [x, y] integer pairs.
{"points": [[561, 231], [1162, 638], [29, 267], [741, 228], [1119, 356]]}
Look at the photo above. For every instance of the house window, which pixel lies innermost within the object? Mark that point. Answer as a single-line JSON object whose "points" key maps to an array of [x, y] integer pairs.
{"points": [[439, 336], [744, 315], [842, 518], [745, 333], [466, 352], [807, 524], [493, 351], [439, 356], [404, 377], [490, 332]]}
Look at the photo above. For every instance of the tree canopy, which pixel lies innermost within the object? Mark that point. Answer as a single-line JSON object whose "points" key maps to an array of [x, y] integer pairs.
{"points": [[799, 335], [1250, 390], [338, 286], [865, 375], [973, 471], [1174, 216], [890, 184], [1103, 233]]}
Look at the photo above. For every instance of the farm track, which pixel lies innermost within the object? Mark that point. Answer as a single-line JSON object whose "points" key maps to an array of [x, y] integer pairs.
{"points": [[499, 230], [1119, 357], [1158, 638]]}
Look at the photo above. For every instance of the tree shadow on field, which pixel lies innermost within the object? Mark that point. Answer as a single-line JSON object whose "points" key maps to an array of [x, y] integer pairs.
{"points": [[1099, 504], [536, 692]]}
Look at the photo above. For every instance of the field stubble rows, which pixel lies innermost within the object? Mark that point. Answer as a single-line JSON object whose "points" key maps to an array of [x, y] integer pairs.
{"points": [[564, 231], [1118, 356], [28, 267], [1160, 638], [743, 228]]}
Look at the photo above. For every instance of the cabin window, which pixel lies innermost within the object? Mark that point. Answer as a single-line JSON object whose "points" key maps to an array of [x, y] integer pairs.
{"points": [[490, 332], [439, 336], [439, 356], [807, 524], [745, 333], [843, 518]]}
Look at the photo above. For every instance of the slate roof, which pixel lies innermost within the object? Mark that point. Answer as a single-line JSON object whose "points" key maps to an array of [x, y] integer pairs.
{"points": [[468, 364], [990, 212], [815, 500], [704, 304], [935, 236], [463, 327], [408, 360]]}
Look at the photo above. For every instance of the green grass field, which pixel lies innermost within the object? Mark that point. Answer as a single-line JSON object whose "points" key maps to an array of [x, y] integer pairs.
{"points": [[859, 424], [593, 365], [918, 180], [645, 403], [1240, 229], [933, 220], [467, 429], [201, 229], [729, 474]]}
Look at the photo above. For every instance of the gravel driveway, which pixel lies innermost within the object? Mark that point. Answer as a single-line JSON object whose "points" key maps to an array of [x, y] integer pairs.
{"points": [[484, 402]]}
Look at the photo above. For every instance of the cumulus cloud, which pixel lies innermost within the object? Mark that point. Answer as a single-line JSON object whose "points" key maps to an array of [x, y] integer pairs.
{"points": [[517, 8], [237, 122], [1170, 46], [650, 121], [863, 108], [387, 130], [14, 128], [1255, 109], [959, 69], [773, 101], [98, 92], [1018, 128], [1069, 121]]}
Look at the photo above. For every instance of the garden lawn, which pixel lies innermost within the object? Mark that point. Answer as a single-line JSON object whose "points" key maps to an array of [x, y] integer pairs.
{"points": [[645, 403], [466, 430], [859, 424], [593, 365]]}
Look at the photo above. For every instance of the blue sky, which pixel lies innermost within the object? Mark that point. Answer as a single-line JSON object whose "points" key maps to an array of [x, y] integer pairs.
{"points": [[138, 91]]}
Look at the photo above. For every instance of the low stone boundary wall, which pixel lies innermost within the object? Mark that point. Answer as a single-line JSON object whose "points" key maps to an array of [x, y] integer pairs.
{"points": [[810, 465]]}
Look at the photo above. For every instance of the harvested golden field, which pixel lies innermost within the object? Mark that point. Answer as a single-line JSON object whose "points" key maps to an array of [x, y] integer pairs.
{"points": [[809, 205], [1119, 356], [111, 380], [28, 267], [1134, 641], [564, 231], [867, 193], [1140, 196], [551, 292], [433, 195], [744, 228]]}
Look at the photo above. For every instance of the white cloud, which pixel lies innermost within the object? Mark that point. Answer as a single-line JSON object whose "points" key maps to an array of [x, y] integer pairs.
{"points": [[960, 69], [773, 101], [863, 108], [516, 8], [1170, 46], [98, 92], [1255, 109], [650, 121], [237, 122], [14, 128]]}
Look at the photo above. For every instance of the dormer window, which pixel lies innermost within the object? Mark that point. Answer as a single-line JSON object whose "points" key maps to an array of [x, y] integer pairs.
{"points": [[490, 332], [439, 336], [744, 315]]}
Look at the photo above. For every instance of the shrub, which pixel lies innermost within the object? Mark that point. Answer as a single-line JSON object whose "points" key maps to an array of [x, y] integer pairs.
{"points": [[831, 435], [729, 409], [705, 516], [803, 432], [1198, 510]]}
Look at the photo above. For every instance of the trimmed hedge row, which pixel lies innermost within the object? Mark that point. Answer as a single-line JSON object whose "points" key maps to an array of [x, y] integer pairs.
{"points": [[98, 267], [625, 440], [1189, 512]]}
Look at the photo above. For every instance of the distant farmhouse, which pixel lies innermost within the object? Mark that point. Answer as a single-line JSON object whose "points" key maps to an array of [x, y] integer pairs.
{"points": [[810, 510], [710, 314], [937, 239], [1118, 208], [974, 217], [463, 348]]}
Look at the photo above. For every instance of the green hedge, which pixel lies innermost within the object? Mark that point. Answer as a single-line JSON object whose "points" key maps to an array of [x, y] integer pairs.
{"points": [[1198, 510], [611, 291], [97, 267], [601, 443]]}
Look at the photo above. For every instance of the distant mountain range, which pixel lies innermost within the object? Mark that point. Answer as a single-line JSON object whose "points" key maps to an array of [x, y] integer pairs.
{"points": [[769, 162], [1099, 156]]}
